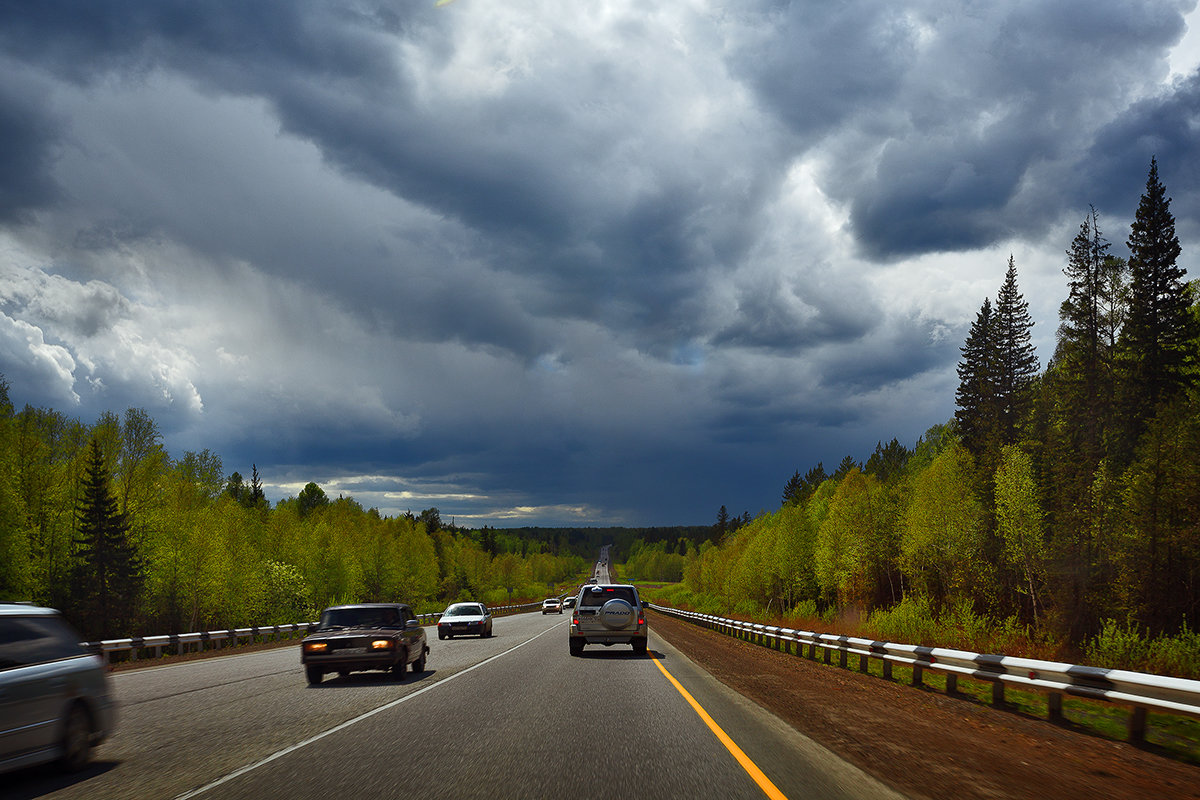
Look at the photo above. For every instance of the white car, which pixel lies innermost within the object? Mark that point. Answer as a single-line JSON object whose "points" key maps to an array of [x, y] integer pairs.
{"points": [[552, 605]]}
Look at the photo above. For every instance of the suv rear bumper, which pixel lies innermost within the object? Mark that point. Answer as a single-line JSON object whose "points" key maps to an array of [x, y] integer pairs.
{"points": [[601, 635]]}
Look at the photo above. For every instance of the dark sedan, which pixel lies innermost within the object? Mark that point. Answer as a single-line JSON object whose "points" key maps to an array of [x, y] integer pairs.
{"points": [[385, 636], [471, 619]]}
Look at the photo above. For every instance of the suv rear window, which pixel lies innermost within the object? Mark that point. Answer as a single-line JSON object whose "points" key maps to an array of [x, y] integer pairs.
{"points": [[591, 597]]}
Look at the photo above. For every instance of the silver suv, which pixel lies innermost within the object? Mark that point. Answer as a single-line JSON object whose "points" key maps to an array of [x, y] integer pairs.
{"points": [[608, 614]]}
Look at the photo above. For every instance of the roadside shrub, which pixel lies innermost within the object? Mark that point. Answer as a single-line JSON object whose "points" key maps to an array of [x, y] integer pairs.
{"points": [[1117, 646], [911, 621], [1125, 646], [1177, 655]]}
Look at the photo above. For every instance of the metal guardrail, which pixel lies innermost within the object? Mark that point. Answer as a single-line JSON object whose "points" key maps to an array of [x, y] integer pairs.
{"points": [[181, 642], [1142, 692]]}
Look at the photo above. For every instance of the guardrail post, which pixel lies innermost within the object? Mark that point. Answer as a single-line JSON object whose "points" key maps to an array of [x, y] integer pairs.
{"points": [[998, 693], [887, 670], [1054, 702], [951, 683], [1137, 724], [842, 655], [828, 654], [918, 678], [863, 666]]}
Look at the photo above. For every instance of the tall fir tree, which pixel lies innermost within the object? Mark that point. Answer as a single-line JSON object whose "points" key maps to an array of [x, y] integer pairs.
{"points": [[976, 395], [108, 574], [1086, 337], [1158, 342], [1016, 361]]}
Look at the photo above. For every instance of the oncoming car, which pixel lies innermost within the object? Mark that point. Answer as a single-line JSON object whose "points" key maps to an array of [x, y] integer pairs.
{"points": [[385, 636], [465, 618], [552, 605], [608, 614], [55, 703]]}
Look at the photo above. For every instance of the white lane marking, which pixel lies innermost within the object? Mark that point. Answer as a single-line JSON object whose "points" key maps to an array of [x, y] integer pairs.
{"points": [[293, 748]]}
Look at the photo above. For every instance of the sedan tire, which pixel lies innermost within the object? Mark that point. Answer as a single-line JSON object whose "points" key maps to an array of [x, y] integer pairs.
{"points": [[314, 675]]}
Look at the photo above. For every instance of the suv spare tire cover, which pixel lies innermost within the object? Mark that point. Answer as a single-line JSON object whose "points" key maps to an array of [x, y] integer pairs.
{"points": [[616, 614]]}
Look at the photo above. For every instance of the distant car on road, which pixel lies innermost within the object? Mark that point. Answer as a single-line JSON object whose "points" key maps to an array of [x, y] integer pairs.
{"points": [[385, 636], [608, 614], [568, 602], [465, 618], [552, 605], [55, 703]]}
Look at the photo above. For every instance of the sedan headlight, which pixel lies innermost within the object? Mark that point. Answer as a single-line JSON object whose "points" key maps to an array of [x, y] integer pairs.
{"points": [[382, 644], [316, 647]]}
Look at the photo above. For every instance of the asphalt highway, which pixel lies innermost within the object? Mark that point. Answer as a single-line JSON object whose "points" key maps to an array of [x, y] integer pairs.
{"points": [[514, 716]]}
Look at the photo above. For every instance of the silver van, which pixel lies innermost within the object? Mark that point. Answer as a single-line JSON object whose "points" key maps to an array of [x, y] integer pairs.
{"points": [[55, 703]]}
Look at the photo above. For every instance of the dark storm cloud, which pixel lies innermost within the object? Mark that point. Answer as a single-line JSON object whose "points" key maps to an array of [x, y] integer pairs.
{"points": [[957, 120], [607, 259], [27, 145], [1164, 127]]}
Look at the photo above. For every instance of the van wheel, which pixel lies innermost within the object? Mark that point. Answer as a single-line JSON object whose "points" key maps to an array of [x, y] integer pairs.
{"points": [[639, 647], [576, 646]]}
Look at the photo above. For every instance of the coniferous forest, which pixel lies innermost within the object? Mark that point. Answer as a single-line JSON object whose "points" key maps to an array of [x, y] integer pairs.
{"points": [[1057, 512]]}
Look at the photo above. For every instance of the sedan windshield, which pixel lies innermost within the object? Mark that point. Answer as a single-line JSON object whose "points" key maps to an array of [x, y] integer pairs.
{"points": [[359, 618], [464, 611]]}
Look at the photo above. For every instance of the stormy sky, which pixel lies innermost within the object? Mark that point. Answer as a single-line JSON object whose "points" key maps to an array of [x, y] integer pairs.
{"points": [[538, 262]]}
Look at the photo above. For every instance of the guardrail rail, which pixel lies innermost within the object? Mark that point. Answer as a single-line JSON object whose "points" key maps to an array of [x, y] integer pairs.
{"points": [[201, 640], [1142, 692]]}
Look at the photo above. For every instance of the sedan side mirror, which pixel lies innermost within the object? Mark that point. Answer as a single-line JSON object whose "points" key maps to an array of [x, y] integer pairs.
{"points": [[412, 623]]}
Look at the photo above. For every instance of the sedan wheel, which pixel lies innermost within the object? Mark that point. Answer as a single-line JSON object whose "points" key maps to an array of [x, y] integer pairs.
{"points": [[418, 666]]}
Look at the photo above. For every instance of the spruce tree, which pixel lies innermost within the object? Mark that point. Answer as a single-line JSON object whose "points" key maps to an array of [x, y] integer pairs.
{"points": [[107, 577], [1158, 342], [976, 396], [794, 489], [1016, 361], [1086, 335]]}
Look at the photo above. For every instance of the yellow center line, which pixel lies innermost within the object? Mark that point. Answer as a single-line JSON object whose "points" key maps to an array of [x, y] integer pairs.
{"points": [[751, 768]]}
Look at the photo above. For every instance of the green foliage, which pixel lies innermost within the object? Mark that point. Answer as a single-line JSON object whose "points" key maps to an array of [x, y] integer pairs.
{"points": [[941, 539], [1020, 520]]}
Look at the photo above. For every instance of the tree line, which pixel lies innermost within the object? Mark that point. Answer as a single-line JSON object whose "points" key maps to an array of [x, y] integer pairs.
{"points": [[1063, 500], [102, 523]]}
